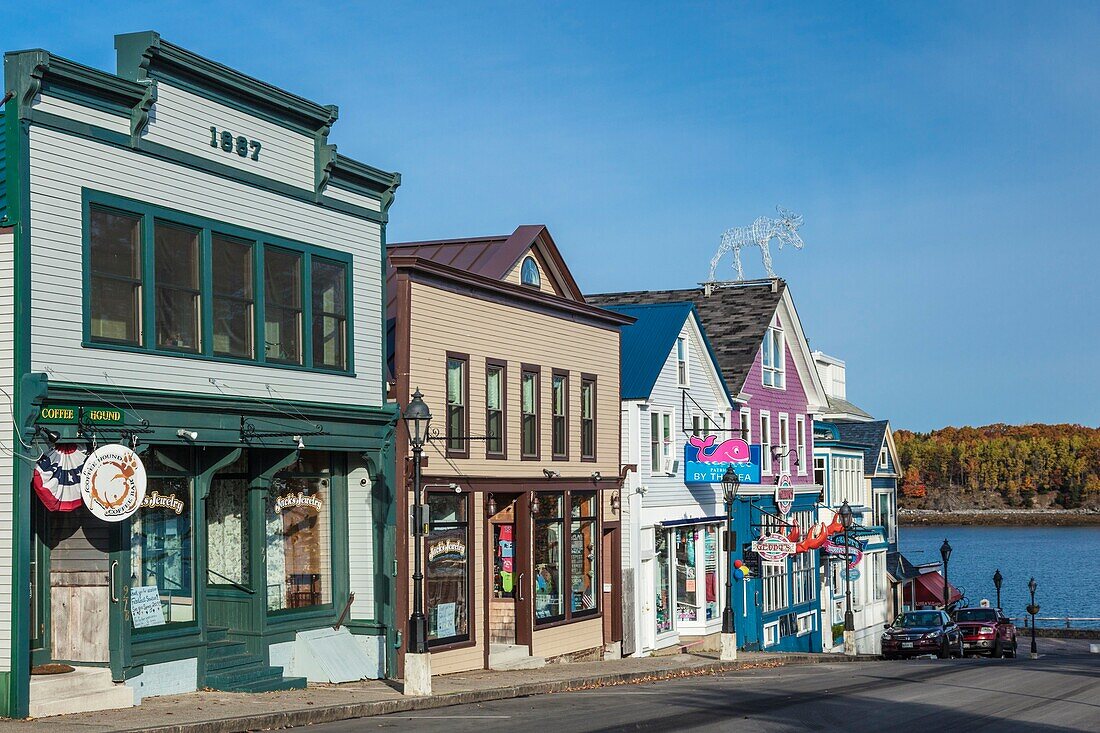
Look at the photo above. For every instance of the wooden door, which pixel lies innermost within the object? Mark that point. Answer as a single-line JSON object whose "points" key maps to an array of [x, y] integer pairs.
{"points": [[80, 592]]}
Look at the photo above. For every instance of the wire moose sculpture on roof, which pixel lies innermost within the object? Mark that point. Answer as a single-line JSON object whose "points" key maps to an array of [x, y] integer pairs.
{"points": [[759, 234]]}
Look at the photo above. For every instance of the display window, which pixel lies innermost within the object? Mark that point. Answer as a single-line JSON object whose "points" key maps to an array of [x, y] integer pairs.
{"points": [[686, 578], [447, 573], [554, 572], [161, 541], [299, 534]]}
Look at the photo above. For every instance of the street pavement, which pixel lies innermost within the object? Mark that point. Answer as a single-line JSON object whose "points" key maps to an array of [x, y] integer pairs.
{"points": [[1060, 691]]}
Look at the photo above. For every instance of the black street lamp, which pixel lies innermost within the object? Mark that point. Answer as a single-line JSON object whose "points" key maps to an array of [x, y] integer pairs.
{"points": [[945, 553], [417, 417], [845, 513], [1033, 608], [731, 483], [997, 580]]}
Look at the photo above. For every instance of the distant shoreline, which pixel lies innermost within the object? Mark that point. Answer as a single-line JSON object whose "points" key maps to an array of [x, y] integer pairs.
{"points": [[999, 517]]}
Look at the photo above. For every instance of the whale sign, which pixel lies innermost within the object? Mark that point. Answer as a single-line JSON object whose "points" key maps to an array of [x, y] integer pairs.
{"points": [[784, 495], [706, 460]]}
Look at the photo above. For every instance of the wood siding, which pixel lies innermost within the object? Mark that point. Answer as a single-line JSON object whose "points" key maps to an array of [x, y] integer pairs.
{"points": [[442, 321], [61, 164], [350, 197], [65, 108], [182, 120], [567, 639], [360, 540], [7, 367]]}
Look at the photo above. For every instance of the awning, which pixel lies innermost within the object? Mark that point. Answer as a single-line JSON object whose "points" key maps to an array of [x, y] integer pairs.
{"points": [[691, 520], [927, 590]]}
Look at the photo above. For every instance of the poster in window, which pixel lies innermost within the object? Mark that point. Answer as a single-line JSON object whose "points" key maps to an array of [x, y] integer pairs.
{"points": [[445, 620], [145, 606]]}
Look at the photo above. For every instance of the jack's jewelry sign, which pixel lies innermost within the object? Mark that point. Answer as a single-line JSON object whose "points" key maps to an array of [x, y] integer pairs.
{"points": [[706, 460]]}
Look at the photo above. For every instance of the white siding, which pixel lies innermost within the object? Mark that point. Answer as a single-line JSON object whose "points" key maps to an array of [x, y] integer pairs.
{"points": [[350, 197], [7, 367], [61, 164], [661, 489], [360, 540], [182, 120], [90, 115]]}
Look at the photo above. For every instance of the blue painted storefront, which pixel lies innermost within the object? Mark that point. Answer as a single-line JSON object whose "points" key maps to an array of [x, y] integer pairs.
{"points": [[748, 594]]}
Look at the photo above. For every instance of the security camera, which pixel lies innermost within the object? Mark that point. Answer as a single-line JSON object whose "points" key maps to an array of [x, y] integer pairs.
{"points": [[457, 488], [187, 434], [300, 443]]}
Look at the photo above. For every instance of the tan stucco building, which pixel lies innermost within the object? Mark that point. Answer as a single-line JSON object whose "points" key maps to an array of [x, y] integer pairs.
{"points": [[522, 469]]}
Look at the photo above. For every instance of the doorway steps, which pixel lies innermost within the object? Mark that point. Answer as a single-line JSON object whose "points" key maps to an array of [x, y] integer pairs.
{"points": [[83, 690], [505, 657], [230, 667]]}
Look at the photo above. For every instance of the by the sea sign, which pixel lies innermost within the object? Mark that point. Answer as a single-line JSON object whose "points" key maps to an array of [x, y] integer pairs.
{"points": [[706, 460], [64, 414], [112, 483], [145, 607]]}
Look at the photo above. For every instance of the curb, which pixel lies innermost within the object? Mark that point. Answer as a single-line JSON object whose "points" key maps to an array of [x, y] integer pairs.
{"points": [[335, 713]]}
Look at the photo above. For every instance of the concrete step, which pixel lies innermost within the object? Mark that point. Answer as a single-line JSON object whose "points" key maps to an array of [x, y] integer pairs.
{"points": [[505, 657], [85, 689]]}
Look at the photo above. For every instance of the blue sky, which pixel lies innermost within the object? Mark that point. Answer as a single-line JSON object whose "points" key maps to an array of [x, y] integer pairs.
{"points": [[945, 158]]}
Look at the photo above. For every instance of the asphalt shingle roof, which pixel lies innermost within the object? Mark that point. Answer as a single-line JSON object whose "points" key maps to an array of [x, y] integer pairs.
{"points": [[734, 318], [869, 435], [841, 406]]}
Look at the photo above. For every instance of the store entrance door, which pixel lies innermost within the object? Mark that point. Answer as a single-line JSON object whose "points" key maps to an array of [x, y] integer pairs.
{"points": [[510, 584], [231, 575]]}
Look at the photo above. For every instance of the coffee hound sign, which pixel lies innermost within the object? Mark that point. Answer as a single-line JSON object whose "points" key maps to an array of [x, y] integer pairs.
{"points": [[112, 483], [773, 547], [63, 414], [706, 460]]}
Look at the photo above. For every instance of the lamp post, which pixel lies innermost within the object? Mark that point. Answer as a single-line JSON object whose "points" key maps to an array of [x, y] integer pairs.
{"points": [[997, 580], [418, 671], [845, 513], [731, 482], [945, 553], [1033, 608]]}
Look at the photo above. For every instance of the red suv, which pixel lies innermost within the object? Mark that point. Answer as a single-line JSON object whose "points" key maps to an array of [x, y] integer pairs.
{"points": [[986, 631]]}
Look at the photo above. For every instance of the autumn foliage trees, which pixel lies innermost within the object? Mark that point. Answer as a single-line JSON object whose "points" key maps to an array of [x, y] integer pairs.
{"points": [[1000, 466]]}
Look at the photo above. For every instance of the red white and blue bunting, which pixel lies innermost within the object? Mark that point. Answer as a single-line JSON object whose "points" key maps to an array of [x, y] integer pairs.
{"points": [[57, 478]]}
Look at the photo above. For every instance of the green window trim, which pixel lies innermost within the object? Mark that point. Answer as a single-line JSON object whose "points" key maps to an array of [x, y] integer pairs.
{"points": [[208, 228]]}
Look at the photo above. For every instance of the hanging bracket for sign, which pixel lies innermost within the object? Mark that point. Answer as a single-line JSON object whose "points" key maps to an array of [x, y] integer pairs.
{"points": [[249, 431]]}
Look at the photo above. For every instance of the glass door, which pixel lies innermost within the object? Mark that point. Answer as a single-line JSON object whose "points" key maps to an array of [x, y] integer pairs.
{"points": [[230, 582]]}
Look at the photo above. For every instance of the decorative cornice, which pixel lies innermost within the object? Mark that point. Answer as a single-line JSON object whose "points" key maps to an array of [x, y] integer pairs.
{"points": [[145, 55], [365, 179], [28, 72]]}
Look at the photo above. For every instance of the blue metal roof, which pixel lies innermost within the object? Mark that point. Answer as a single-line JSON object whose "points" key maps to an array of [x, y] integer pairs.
{"points": [[645, 345]]}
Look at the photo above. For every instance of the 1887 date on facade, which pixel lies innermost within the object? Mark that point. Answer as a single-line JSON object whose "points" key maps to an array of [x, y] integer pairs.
{"points": [[238, 144]]}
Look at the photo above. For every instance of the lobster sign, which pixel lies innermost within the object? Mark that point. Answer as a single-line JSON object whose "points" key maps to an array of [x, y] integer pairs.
{"points": [[112, 483]]}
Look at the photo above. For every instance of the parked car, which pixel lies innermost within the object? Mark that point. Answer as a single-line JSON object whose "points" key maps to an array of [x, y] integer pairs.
{"points": [[987, 631], [914, 633]]}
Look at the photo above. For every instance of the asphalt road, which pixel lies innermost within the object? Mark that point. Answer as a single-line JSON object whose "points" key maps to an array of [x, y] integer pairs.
{"points": [[1058, 692]]}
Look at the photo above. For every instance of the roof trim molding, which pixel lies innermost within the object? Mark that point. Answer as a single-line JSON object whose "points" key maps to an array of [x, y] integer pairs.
{"points": [[414, 264], [803, 358]]}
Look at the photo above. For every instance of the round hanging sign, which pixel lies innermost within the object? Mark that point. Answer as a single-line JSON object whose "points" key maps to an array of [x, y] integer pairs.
{"points": [[112, 483]]}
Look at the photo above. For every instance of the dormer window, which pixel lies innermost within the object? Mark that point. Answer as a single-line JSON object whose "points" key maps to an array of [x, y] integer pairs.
{"points": [[774, 359], [529, 273]]}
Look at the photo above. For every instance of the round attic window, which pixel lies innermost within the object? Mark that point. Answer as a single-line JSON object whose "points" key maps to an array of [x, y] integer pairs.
{"points": [[529, 273]]}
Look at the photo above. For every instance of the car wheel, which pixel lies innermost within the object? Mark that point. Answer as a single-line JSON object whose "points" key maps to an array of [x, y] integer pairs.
{"points": [[945, 650], [1015, 646], [998, 649]]}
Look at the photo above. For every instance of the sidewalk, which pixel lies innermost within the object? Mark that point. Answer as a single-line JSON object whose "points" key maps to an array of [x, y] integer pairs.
{"points": [[227, 712]]}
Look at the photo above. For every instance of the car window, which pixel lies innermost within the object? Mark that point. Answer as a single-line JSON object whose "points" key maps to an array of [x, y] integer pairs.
{"points": [[976, 614], [914, 619]]}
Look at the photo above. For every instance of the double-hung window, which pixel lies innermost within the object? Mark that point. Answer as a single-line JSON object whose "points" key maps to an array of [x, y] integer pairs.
{"points": [[588, 417], [773, 358], [681, 362], [784, 445], [559, 418], [458, 390], [746, 425], [495, 386], [234, 297], [800, 437], [661, 447], [165, 281], [529, 413], [115, 263], [765, 443], [774, 576]]}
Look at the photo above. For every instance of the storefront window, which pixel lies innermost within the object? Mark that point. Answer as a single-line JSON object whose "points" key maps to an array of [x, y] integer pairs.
{"points": [[687, 591], [283, 305], [504, 561], [161, 543], [227, 526], [549, 528], [710, 570], [447, 576], [299, 534], [582, 551], [663, 581], [329, 314]]}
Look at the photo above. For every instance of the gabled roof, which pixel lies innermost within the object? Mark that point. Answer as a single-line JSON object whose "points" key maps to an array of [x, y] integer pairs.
{"points": [[839, 407], [734, 319], [646, 344], [493, 257], [868, 435]]}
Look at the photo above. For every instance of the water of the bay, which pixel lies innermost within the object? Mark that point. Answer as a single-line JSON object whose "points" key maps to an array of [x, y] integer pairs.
{"points": [[1065, 562]]}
